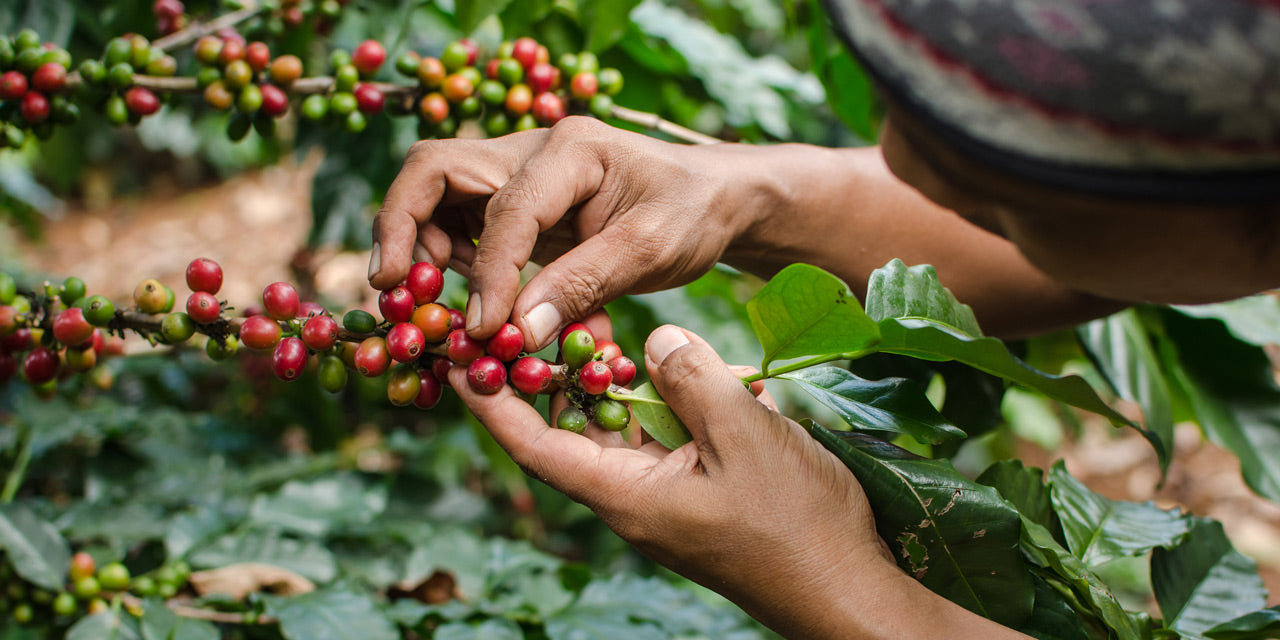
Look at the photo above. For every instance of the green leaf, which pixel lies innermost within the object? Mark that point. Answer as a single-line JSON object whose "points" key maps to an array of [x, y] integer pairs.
{"points": [[604, 22], [957, 537], [479, 566], [1230, 387], [36, 550], [1055, 618], [896, 405], [1121, 349], [331, 613], [849, 91], [932, 341], [317, 507], [805, 311], [1024, 488], [470, 13], [1250, 626], [160, 623], [1099, 530], [608, 609], [898, 291], [108, 625], [491, 629], [1204, 581], [655, 416], [306, 558], [1255, 319]]}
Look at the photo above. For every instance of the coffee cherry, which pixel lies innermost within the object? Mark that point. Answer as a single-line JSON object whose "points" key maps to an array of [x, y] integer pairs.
{"points": [[177, 327], [203, 307], [113, 577], [249, 99], [79, 359], [65, 605], [343, 103], [486, 375], [396, 304], [457, 319], [237, 74], [35, 107], [405, 342], [525, 51], [71, 328], [434, 108], [612, 415], [548, 108], [368, 57], [218, 96], [429, 391], [320, 333], [542, 78], [81, 566], [258, 55], [506, 344], [315, 107], [371, 357], [97, 606], [440, 369], [595, 377], [275, 102], [259, 332], [289, 360], [332, 374], [510, 71], [41, 365], [359, 321], [86, 588], [519, 100], [219, 351], [8, 288], [13, 85], [583, 85], [572, 419], [403, 385], [144, 586], [531, 374], [601, 106], [578, 349], [573, 326], [369, 99], [280, 300], [205, 275], [462, 348], [491, 92], [285, 69], [232, 51], [141, 101], [454, 56], [457, 88], [624, 370], [23, 614], [50, 77], [607, 350], [162, 65], [407, 64], [167, 8], [425, 282], [208, 49], [20, 340], [431, 72]]}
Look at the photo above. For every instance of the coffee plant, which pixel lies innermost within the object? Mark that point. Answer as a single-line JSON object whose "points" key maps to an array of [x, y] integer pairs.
{"points": [[180, 465]]}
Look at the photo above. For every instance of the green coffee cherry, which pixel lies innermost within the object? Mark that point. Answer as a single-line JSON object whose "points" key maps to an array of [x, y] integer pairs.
{"points": [[315, 107], [8, 288], [73, 289], [332, 374], [99, 310], [144, 586], [572, 419], [177, 327], [120, 76], [117, 111], [578, 349], [358, 321], [239, 127], [86, 588], [115, 576], [65, 605], [219, 351], [612, 415]]}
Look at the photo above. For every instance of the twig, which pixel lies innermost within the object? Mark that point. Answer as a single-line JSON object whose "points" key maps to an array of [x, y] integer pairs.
{"points": [[19, 470], [196, 613], [657, 123], [200, 29]]}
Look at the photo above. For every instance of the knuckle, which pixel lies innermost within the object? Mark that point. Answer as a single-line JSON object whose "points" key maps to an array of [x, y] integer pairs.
{"points": [[580, 290]]}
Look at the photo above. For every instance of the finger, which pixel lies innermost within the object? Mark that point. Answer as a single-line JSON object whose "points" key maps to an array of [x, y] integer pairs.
{"points": [[713, 403], [435, 243], [565, 173], [742, 371]]}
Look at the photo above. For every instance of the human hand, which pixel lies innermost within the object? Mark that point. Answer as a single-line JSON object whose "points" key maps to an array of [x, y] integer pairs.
{"points": [[753, 508], [606, 211]]}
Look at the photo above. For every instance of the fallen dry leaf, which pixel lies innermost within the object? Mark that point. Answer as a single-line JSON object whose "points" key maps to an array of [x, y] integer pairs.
{"points": [[239, 580]]}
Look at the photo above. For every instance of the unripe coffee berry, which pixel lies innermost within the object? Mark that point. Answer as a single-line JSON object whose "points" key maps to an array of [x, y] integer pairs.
{"points": [[396, 304], [371, 357], [431, 72], [79, 359], [573, 326], [219, 351], [405, 342], [403, 385], [332, 374], [40, 366], [218, 96], [462, 348], [177, 327], [457, 88], [595, 377], [454, 56], [71, 328], [320, 333], [433, 320], [203, 307], [572, 419], [81, 566], [434, 108], [519, 100], [205, 275], [280, 300], [259, 332], [612, 415], [531, 374], [113, 577], [207, 50], [285, 69], [624, 370], [289, 360], [232, 51], [506, 344], [578, 349], [429, 391], [65, 605], [359, 321], [486, 375], [425, 282]]}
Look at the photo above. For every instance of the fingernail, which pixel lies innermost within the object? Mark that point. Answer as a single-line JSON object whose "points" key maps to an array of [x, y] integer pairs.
{"points": [[663, 341], [375, 260], [473, 313], [542, 322], [420, 253]]}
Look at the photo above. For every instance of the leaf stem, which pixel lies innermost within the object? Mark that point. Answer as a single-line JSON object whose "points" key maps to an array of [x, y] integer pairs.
{"points": [[805, 364], [19, 471]]}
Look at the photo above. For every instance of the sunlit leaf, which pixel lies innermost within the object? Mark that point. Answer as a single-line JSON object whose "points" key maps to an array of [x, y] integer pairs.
{"points": [[1204, 581], [805, 311], [339, 614], [653, 414], [1250, 626], [316, 507], [1099, 530], [35, 549], [898, 291], [895, 405]]}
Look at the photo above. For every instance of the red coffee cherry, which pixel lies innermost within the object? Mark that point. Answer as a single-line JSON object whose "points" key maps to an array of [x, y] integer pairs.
{"points": [[320, 333], [275, 102], [548, 109], [259, 332], [425, 282], [82, 566], [506, 344], [368, 57], [280, 300], [232, 50], [205, 275], [141, 101], [595, 377], [531, 374], [607, 350], [429, 391], [308, 309], [41, 365], [542, 78], [203, 307], [583, 85], [525, 51], [440, 370], [258, 55], [573, 326], [50, 77], [371, 357], [13, 85], [624, 370], [405, 342], [18, 341], [434, 108], [463, 349], [486, 375], [369, 99], [472, 49], [289, 360], [433, 320], [35, 107], [71, 328], [396, 305], [491, 68], [457, 319], [167, 8]]}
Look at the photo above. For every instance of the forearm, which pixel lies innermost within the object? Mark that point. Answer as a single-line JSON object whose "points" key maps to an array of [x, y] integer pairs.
{"points": [[844, 211]]}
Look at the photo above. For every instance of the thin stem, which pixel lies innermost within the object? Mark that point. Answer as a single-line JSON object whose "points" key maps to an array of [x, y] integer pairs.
{"points": [[196, 613], [19, 471], [805, 364], [197, 30], [657, 123]]}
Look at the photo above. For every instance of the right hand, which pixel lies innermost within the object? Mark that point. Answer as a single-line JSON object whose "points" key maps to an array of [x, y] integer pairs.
{"points": [[606, 211]]}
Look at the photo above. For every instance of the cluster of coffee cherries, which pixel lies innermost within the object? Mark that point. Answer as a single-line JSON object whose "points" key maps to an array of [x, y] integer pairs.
{"points": [[32, 76], [243, 75], [85, 591], [110, 80], [352, 98], [592, 368]]}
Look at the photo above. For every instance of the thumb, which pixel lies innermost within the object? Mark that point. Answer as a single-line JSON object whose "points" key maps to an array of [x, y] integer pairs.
{"points": [[721, 413]]}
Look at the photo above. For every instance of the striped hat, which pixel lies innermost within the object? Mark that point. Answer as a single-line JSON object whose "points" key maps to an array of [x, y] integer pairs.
{"points": [[1153, 99]]}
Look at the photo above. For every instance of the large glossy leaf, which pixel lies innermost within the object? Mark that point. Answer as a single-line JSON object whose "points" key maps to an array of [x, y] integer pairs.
{"points": [[933, 341], [1121, 349], [337, 614], [491, 629], [805, 311], [160, 623], [1250, 626], [1255, 319], [1055, 617], [35, 548], [470, 12], [1099, 530], [898, 291], [604, 22], [895, 405], [654, 415], [314, 508], [108, 625], [1024, 488], [1204, 581], [1230, 388], [957, 537]]}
